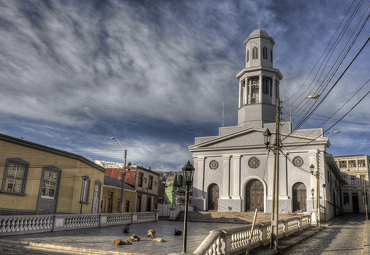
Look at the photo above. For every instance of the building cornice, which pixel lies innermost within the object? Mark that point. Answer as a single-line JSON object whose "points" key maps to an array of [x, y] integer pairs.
{"points": [[59, 152], [259, 68]]}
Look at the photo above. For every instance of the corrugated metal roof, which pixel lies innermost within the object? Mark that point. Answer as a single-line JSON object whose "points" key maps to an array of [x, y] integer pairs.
{"points": [[116, 183]]}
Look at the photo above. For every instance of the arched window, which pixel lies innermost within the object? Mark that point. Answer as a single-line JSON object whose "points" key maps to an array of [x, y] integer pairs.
{"points": [[247, 55], [264, 53], [255, 53], [271, 54]]}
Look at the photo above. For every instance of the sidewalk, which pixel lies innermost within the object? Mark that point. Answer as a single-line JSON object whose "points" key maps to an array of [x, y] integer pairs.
{"points": [[99, 240], [287, 243]]}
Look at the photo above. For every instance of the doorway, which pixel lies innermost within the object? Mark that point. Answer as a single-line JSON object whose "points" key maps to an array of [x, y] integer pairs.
{"points": [[299, 197], [254, 195], [213, 193], [355, 202]]}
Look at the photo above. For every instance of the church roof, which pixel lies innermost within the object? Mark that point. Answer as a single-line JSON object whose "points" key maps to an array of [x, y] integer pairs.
{"points": [[258, 32]]}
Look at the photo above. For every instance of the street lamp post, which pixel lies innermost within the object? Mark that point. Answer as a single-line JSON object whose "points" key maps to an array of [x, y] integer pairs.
{"points": [[188, 172], [317, 175], [313, 199], [123, 175]]}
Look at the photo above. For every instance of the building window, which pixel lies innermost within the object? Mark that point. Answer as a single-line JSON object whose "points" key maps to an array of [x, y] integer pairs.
{"points": [[353, 180], [140, 181], [361, 162], [343, 163], [351, 163], [271, 55], [85, 189], [15, 176], [345, 180], [247, 55], [346, 198], [362, 179], [49, 183], [150, 185], [255, 53], [127, 206], [264, 52], [149, 204]]}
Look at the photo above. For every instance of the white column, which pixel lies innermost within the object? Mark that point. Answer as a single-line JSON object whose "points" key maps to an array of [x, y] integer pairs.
{"points": [[273, 90], [249, 91], [226, 178], [246, 90], [236, 178], [201, 176], [240, 94], [260, 89]]}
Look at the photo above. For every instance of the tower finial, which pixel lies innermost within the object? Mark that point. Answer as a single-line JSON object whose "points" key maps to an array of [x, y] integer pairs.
{"points": [[259, 24]]}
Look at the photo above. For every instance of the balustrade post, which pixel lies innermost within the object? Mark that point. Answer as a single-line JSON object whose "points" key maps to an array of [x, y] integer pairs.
{"points": [[285, 228], [155, 214], [58, 222]]}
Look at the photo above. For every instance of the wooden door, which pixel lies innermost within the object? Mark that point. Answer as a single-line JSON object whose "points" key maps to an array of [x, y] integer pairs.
{"points": [[110, 202], [213, 193], [299, 197], [254, 195]]}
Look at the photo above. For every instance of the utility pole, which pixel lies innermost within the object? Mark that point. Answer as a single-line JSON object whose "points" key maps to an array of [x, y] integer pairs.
{"points": [[275, 197], [318, 189], [123, 183], [365, 194]]}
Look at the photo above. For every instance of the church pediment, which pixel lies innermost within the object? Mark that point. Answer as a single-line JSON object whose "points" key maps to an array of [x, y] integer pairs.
{"points": [[253, 137], [245, 138]]}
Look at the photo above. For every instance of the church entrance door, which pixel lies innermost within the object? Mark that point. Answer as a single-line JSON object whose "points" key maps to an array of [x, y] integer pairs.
{"points": [[299, 197], [254, 196], [213, 192]]}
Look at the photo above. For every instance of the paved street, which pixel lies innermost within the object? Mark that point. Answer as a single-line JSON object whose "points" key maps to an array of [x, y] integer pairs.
{"points": [[101, 239], [343, 237]]}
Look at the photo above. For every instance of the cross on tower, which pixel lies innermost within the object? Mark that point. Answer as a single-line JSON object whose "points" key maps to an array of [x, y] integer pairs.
{"points": [[259, 24]]}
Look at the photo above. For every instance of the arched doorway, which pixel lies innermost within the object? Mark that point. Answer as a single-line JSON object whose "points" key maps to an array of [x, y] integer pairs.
{"points": [[254, 195], [213, 192], [299, 197]]}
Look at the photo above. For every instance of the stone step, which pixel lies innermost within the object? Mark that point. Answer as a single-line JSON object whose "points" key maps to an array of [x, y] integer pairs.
{"points": [[232, 217]]}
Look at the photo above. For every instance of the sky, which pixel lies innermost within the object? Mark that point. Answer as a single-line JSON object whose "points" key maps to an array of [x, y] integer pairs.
{"points": [[155, 74]]}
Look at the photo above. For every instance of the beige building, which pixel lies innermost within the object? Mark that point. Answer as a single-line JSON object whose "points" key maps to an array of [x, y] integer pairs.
{"points": [[111, 196], [355, 174], [38, 179]]}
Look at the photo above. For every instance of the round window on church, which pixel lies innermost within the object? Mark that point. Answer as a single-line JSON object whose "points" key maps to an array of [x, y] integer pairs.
{"points": [[254, 162], [297, 161], [213, 165]]}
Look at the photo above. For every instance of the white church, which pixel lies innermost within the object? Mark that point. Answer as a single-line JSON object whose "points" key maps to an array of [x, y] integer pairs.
{"points": [[234, 170]]}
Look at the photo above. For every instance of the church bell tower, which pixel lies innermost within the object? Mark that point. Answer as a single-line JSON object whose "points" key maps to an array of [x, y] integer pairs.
{"points": [[258, 82]]}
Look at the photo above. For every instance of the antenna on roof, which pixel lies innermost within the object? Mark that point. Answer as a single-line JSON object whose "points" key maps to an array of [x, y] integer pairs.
{"points": [[223, 113]]}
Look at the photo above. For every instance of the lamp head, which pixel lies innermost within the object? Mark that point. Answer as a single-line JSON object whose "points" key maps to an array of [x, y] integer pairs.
{"points": [[188, 172], [112, 138], [312, 167], [267, 137]]}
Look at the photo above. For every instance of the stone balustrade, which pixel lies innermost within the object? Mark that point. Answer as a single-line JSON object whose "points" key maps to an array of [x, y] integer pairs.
{"points": [[235, 240], [24, 224]]}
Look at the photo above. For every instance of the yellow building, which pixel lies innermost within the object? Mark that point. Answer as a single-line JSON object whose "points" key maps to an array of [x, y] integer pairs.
{"points": [[38, 179], [355, 173], [111, 197]]}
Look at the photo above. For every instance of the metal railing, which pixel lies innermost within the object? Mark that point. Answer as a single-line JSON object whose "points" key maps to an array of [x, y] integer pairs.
{"points": [[24, 224], [235, 240]]}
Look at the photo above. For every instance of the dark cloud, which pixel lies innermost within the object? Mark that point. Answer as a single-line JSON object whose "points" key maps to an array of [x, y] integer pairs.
{"points": [[157, 70]]}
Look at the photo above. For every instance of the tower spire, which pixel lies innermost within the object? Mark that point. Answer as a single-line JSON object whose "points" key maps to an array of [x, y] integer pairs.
{"points": [[259, 24]]}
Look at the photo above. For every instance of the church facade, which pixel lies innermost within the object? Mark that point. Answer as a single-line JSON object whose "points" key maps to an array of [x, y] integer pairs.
{"points": [[234, 170]]}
